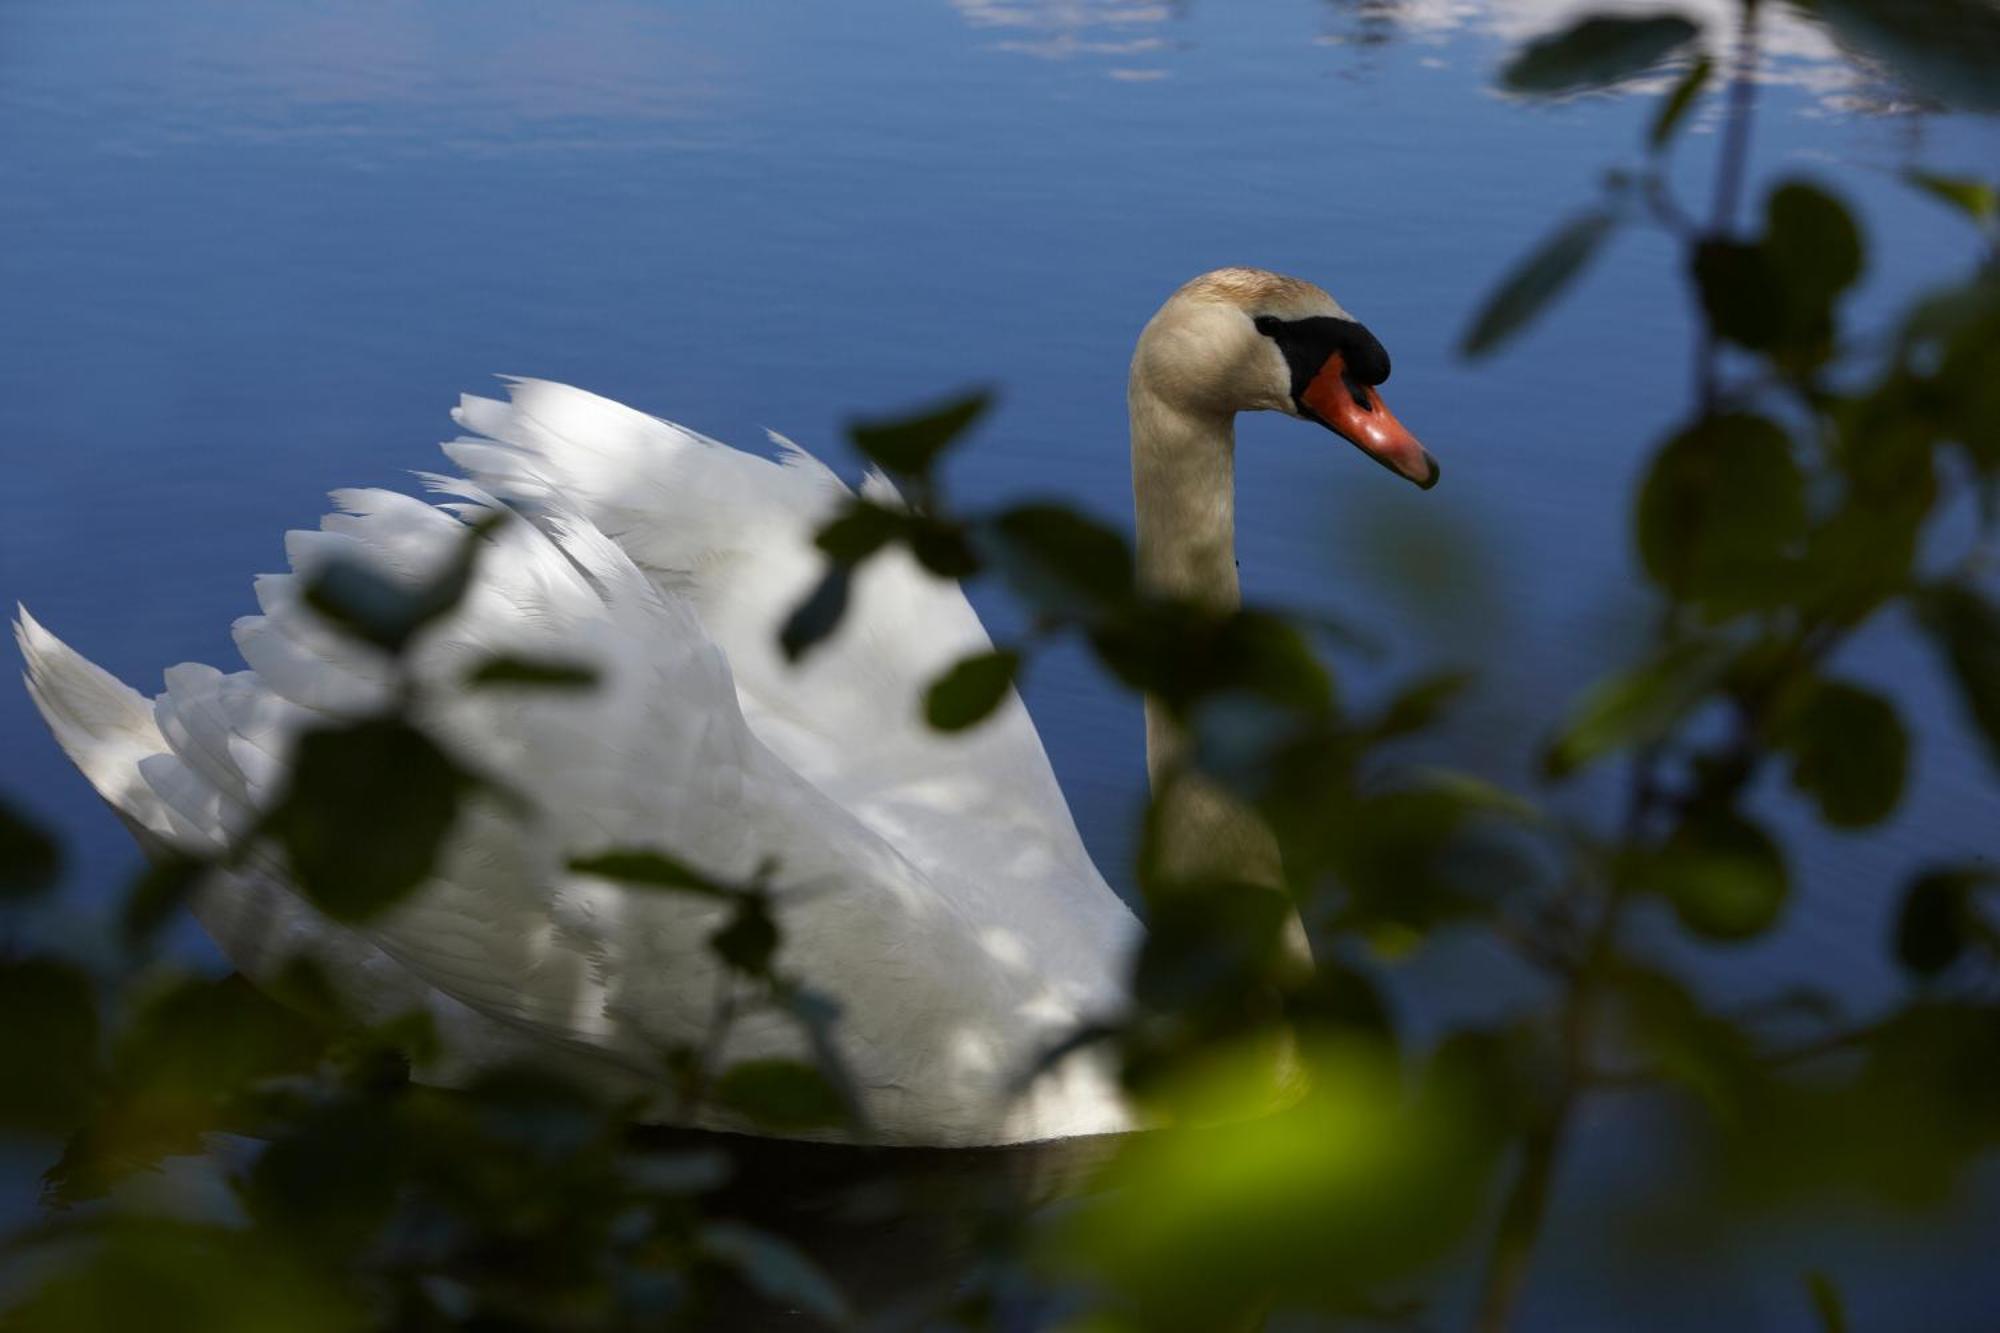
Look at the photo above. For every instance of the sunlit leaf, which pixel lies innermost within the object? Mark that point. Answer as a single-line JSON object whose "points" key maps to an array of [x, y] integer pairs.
{"points": [[782, 1095], [533, 672], [1976, 199], [1674, 108], [1631, 708], [1722, 513], [30, 860], [818, 615], [1849, 753], [909, 445], [1947, 49], [650, 869], [367, 808], [777, 1270], [1536, 281], [1595, 52], [971, 689], [1724, 876], [1966, 626]]}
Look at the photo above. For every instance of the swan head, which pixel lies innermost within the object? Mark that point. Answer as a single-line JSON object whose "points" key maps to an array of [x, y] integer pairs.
{"points": [[1248, 340]]}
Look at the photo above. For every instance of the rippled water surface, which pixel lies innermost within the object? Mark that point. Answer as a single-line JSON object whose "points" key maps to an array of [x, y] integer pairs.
{"points": [[252, 252]]}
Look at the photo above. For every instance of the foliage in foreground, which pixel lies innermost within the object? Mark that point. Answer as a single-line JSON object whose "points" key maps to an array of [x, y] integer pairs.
{"points": [[1818, 483]]}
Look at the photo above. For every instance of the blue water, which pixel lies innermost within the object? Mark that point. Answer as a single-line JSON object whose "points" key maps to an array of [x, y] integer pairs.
{"points": [[250, 253]]}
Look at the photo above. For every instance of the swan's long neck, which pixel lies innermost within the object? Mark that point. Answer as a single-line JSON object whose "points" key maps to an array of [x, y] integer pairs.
{"points": [[1184, 491]]}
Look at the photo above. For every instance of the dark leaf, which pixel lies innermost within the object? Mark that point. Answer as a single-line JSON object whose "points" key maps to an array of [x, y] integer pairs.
{"points": [[1975, 198], [1936, 918], [652, 870], [30, 860], [859, 531], [1417, 706], [366, 810], [157, 894], [535, 672], [818, 615], [1678, 102], [942, 548], [908, 445], [1536, 281], [1062, 562], [388, 613], [1724, 876], [971, 689], [1722, 514], [1947, 49], [778, 1272], [48, 1045], [1742, 295], [749, 939], [1814, 246], [782, 1095], [1596, 52], [1849, 752], [1967, 628]]}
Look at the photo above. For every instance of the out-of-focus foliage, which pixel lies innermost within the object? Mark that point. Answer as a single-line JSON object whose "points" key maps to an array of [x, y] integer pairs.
{"points": [[1317, 1157]]}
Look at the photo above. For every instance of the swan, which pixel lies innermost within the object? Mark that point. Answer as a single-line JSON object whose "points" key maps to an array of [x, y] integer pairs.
{"points": [[934, 885]]}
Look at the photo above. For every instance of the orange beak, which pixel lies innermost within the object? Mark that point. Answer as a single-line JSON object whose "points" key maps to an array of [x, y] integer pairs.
{"points": [[1357, 413]]}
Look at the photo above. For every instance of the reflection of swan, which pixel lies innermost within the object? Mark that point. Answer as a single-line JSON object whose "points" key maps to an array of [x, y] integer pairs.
{"points": [[934, 885]]}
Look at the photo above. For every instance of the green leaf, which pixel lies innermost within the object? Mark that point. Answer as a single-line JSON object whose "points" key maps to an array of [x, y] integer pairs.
{"points": [[1966, 627], [818, 615], [942, 547], [365, 604], [366, 810], [749, 940], [1741, 293], [1674, 109], [1976, 199], [30, 860], [859, 531], [1417, 706], [1724, 876], [1536, 281], [971, 689], [1596, 52], [48, 1044], [650, 869], [1947, 49], [1634, 707], [1935, 921], [1849, 753], [1062, 562], [1814, 245], [782, 1095], [545, 673], [776, 1270], [1722, 514], [908, 446]]}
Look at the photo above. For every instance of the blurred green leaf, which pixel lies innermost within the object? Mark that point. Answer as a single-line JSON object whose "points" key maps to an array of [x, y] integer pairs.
{"points": [[1595, 52], [1675, 106], [1966, 626], [1632, 707], [48, 1045], [777, 1270], [1741, 293], [366, 811], [1813, 242], [30, 860], [368, 605], [1936, 919], [748, 941], [818, 615], [1722, 514], [1418, 705], [909, 445], [785, 1096], [534, 672], [650, 869], [1976, 199], [942, 548], [1062, 562], [1849, 752], [970, 691], [1536, 281], [157, 893], [1947, 49], [1724, 876], [859, 530]]}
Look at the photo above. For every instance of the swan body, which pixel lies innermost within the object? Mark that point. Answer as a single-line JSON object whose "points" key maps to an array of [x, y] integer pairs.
{"points": [[934, 885]]}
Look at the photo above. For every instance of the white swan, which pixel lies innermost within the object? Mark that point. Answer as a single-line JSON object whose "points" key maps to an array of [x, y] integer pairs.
{"points": [[935, 885]]}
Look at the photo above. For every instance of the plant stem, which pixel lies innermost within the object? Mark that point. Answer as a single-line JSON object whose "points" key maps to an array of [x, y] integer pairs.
{"points": [[1731, 168]]}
